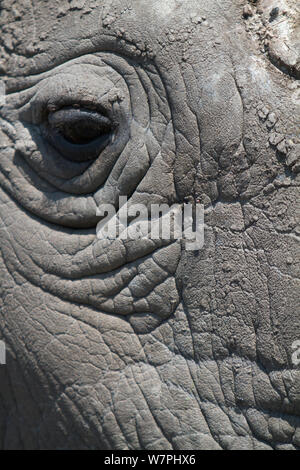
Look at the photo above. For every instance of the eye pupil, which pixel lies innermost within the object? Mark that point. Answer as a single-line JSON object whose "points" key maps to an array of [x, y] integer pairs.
{"points": [[81, 133]]}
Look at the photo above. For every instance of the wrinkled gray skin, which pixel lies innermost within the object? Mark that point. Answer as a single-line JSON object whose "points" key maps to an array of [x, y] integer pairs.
{"points": [[144, 345]]}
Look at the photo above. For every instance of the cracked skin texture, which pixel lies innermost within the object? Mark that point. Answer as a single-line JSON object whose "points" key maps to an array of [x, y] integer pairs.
{"points": [[148, 346]]}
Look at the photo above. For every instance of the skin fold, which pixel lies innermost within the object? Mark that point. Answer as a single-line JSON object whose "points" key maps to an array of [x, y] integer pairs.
{"points": [[143, 344]]}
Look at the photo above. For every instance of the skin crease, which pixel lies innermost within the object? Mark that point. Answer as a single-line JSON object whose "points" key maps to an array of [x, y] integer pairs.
{"points": [[136, 346]]}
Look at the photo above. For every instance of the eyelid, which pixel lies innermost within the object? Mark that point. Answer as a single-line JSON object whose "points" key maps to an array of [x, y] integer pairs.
{"points": [[61, 91], [70, 115]]}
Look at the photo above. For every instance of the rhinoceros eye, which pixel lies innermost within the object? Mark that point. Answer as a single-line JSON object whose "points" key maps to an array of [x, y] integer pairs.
{"points": [[78, 134]]}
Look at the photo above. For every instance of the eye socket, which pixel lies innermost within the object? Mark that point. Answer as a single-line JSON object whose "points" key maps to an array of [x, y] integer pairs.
{"points": [[78, 134]]}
